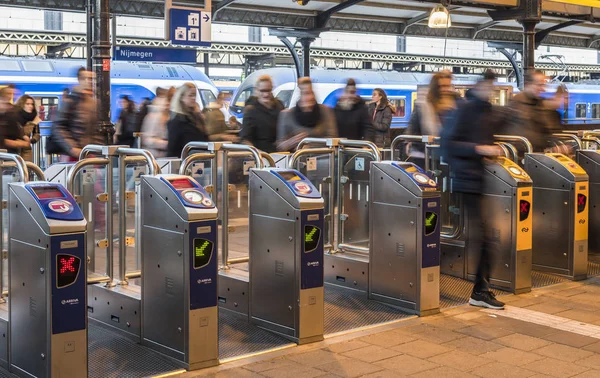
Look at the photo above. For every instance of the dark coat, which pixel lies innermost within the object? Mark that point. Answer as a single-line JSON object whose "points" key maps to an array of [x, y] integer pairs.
{"points": [[260, 125], [527, 117], [182, 129], [128, 120], [382, 120], [354, 123], [473, 124]]}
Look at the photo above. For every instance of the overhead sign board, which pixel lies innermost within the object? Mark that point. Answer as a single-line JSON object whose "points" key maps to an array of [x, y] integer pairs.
{"points": [[188, 26], [153, 54], [583, 3]]}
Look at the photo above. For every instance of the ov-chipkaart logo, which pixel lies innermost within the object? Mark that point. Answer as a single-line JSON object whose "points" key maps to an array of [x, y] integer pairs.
{"points": [[60, 206], [302, 187], [69, 301]]}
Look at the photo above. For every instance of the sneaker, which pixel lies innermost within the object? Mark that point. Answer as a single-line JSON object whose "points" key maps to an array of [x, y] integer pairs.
{"points": [[486, 299]]}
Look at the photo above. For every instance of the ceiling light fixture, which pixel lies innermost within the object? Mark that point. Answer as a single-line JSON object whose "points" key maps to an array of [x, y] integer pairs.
{"points": [[439, 18]]}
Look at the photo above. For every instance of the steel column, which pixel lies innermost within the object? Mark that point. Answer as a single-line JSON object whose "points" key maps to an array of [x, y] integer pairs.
{"points": [[306, 42], [101, 61]]}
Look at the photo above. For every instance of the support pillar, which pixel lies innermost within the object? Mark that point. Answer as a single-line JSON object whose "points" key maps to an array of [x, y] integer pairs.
{"points": [[101, 61], [89, 17], [206, 63], [294, 54], [528, 45], [306, 42]]}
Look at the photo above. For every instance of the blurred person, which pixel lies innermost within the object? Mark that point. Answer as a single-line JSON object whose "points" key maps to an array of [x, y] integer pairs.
{"points": [[526, 114], [144, 110], [154, 128], [11, 133], [126, 124], [222, 105], [352, 114], [467, 140], [553, 105], [234, 124], [260, 118], [77, 123], [215, 124], [432, 111], [28, 119], [307, 119], [381, 112], [186, 123]]}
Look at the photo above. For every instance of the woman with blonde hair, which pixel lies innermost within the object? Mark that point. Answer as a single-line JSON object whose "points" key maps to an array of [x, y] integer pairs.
{"points": [[186, 123]]}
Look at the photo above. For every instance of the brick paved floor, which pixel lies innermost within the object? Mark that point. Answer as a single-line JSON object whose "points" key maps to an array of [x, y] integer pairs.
{"points": [[550, 332]]}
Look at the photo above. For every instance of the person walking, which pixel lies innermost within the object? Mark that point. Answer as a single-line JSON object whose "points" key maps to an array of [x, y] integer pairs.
{"points": [[466, 142], [154, 128], [186, 123], [381, 112], [260, 117], [126, 125], [28, 119], [352, 114], [11, 133], [307, 119]]}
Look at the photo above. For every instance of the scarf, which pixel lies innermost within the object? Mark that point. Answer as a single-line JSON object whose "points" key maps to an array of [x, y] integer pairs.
{"points": [[27, 117], [308, 119]]}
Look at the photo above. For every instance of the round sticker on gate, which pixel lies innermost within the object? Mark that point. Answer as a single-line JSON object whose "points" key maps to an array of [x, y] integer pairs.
{"points": [[421, 178], [60, 206], [302, 188], [515, 171], [193, 196], [207, 202]]}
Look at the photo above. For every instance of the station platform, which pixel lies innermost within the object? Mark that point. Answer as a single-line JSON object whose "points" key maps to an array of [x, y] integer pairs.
{"points": [[551, 332]]}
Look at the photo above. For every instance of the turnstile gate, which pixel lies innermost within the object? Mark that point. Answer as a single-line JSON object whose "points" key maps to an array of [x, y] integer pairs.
{"points": [[404, 268], [48, 302], [589, 160], [286, 254], [180, 263], [560, 215], [507, 194]]}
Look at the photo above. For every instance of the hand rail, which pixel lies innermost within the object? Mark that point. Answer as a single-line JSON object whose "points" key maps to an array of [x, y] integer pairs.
{"points": [[362, 144], [194, 146], [243, 147], [89, 149], [426, 139], [306, 151], [570, 136], [190, 159], [153, 167], [592, 139], [37, 170], [20, 164], [515, 138]]}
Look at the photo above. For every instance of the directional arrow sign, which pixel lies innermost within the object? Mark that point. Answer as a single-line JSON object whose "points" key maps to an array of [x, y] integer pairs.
{"points": [[188, 27]]}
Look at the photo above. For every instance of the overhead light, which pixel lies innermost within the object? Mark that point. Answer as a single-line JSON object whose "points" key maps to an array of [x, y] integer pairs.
{"points": [[439, 18], [301, 2]]}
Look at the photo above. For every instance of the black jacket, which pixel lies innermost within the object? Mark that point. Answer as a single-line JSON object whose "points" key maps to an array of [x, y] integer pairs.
{"points": [[260, 125], [128, 122], [183, 129], [382, 120], [473, 124], [354, 123]]}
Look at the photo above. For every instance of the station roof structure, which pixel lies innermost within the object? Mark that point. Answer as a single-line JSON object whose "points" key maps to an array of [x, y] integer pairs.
{"points": [[563, 23]]}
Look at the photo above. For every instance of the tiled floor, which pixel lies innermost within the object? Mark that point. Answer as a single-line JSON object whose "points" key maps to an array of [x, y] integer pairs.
{"points": [[550, 332]]}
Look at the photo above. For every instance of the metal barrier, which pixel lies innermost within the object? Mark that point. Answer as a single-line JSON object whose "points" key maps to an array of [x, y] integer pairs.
{"points": [[123, 155], [337, 148], [211, 151]]}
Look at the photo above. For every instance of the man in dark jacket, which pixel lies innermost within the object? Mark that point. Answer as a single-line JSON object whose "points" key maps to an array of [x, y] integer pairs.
{"points": [[352, 114], [466, 142], [260, 117]]}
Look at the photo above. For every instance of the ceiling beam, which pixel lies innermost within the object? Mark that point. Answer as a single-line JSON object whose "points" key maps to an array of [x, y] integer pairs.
{"points": [[479, 28], [221, 5], [324, 17], [543, 34]]}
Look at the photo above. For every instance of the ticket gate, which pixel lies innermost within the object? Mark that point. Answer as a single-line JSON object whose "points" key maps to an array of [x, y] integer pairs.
{"points": [[589, 160], [404, 267], [560, 215], [48, 301], [507, 194], [180, 263], [286, 254]]}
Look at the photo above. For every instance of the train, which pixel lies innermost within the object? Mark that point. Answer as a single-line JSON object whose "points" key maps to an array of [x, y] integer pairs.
{"points": [[581, 107], [45, 80]]}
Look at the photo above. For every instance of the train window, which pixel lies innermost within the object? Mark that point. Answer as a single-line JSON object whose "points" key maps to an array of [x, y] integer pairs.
{"points": [[595, 110], [207, 96], [47, 107], [37, 66], [400, 105], [9, 65], [285, 97], [240, 100], [144, 66], [580, 110]]}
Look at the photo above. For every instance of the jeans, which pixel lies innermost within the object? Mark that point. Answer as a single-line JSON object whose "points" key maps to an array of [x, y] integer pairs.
{"points": [[479, 236]]}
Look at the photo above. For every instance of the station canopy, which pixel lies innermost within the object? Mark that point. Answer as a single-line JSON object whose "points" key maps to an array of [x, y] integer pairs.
{"points": [[568, 23]]}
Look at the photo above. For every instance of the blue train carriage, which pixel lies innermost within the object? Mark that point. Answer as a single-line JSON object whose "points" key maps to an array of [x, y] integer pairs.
{"points": [[45, 81], [402, 89], [581, 108]]}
